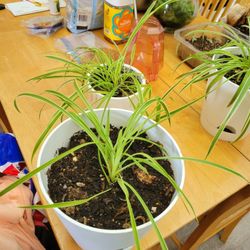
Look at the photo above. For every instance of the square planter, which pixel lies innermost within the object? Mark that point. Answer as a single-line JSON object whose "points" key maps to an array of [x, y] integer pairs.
{"points": [[185, 35]]}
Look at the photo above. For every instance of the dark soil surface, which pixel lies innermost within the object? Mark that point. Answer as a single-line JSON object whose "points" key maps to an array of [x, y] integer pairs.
{"points": [[126, 88], [242, 26], [79, 176], [237, 79], [203, 43]]}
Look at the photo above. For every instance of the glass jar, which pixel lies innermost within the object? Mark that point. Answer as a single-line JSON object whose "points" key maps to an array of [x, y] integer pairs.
{"points": [[175, 15]]}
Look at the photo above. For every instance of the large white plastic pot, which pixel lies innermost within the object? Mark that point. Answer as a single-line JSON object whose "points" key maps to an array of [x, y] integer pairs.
{"points": [[119, 102], [90, 238], [215, 108]]}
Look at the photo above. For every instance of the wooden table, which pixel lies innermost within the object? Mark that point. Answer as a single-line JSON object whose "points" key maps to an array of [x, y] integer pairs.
{"points": [[22, 56]]}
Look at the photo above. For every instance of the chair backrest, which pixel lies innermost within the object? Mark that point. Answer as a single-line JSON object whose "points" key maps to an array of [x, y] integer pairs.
{"points": [[4, 123], [243, 2], [215, 9]]}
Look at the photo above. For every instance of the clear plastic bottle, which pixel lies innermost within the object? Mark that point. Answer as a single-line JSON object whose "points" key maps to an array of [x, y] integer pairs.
{"points": [[54, 7], [149, 50]]}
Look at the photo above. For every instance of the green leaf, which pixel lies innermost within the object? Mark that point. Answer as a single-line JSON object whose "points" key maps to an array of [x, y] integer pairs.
{"points": [[209, 163], [66, 203], [152, 162], [145, 207], [244, 88], [131, 214]]}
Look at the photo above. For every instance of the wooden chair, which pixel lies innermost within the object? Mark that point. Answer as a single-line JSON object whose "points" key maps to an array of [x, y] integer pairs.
{"points": [[243, 2], [224, 217], [215, 9], [4, 123]]}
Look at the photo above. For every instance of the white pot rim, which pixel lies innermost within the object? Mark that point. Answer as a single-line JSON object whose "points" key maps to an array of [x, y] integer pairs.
{"points": [[232, 49], [110, 231], [224, 79], [143, 82]]}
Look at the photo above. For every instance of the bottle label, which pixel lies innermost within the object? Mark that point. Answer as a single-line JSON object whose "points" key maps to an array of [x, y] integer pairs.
{"points": [[117, 22], [83, 18]]}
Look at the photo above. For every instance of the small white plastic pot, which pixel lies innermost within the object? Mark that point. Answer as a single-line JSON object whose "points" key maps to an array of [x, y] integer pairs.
{"points": [[215, 108], [119, 102], [87, 237]]}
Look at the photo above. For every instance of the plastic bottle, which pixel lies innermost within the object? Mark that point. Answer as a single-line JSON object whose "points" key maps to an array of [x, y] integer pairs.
{"points": [[118, 20], [149, 50], [54, 7]]}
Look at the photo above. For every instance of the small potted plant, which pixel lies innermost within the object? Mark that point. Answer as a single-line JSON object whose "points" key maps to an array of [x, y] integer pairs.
{"points": [[129, 162], [131, 159], [225, 113], [104, 71], [199, 37]]}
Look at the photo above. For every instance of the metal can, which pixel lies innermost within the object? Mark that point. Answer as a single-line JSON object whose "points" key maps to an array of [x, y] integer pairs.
{"points": [[118, 20]]}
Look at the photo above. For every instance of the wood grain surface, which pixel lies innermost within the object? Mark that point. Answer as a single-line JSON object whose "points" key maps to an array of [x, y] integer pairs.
{"points": [[23, 56]]}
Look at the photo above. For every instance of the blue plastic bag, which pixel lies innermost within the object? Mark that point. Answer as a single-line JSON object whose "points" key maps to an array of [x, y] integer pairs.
{"points": [[11, 159]]}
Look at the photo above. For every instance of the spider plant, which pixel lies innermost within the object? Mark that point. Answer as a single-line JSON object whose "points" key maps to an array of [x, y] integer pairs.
{"points": [[103, 69], [114, 159], [219, 63]]}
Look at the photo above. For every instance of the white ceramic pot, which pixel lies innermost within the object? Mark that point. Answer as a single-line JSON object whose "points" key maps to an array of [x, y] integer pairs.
{"points": [[119, 102], [215, 109], [90, 238]]}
